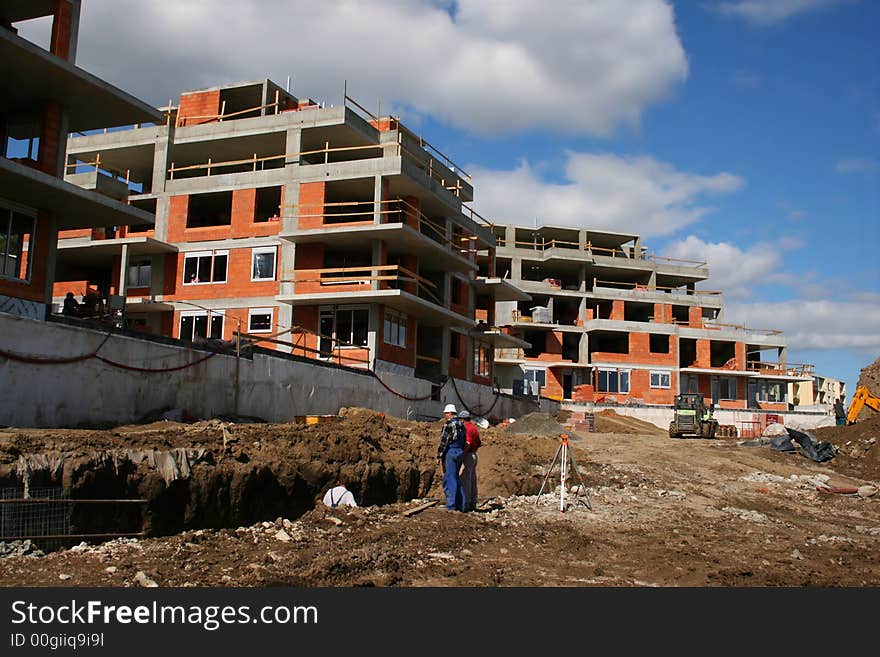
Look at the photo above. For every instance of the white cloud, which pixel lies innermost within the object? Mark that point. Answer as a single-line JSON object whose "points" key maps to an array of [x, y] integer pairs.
{"points": [[819, 324], [603, 191], [863, 165], [732, 270], [488, 67], [769, 12]]}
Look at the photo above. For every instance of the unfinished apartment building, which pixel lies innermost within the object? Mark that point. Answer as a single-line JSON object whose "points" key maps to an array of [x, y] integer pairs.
{"points": [[45, 95], [608, 321], [327, 231]]}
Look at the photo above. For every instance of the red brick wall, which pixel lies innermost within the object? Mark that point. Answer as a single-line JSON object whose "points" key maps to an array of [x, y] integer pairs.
{"points": [[640, 388], [238, 281], [583, 393], [458, 366], [704, 354], [38, 251], [62, 28], [663, 313], [553, 344], [311, 203], [50, 139], [617, 309], [242, 222], [392, 353], [309, 258], [695, 316], [553, 389], [199, 104], [77, 232]]}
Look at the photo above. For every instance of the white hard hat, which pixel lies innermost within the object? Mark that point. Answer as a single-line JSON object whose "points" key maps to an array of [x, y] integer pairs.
{"points": [[450, 408]]}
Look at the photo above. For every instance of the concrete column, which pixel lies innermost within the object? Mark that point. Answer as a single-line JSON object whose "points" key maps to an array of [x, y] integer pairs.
{"points": [[652, 281], [510, 236], [161, 160], [50, 224], [516, 270], [582, 238], [289, 212], [582, 279], [123, 270], [286, 266], [285, 319], [293, 147], [444, 350], [377, 200], [782, 355], [637, 248], [582, 309], [157, 273], [375, 260], [584, 348], [373, 334], [161, 227]]}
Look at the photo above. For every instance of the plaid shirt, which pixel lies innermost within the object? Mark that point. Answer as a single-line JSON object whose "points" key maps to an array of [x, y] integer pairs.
{"points": [[453, 432]]}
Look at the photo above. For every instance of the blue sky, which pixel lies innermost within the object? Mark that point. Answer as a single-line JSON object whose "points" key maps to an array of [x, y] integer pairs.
{"points": [[745, 132]]}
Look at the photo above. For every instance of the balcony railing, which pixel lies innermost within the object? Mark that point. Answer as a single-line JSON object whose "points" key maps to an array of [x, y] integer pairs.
{"points": [[181, 121], [543, 245], [638, 287], [390, 275], [390, 211], [717, 326], [782, 369]]}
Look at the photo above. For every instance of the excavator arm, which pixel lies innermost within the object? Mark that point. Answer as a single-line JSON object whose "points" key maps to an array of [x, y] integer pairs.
{"points": [[863, 397]]}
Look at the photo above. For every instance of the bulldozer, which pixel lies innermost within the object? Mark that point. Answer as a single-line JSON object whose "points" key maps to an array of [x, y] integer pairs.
{"points": [[692, 418], [863, 397]]}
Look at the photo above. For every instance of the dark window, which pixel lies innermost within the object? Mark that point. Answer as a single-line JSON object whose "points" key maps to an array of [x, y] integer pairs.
{"points": [[659, 344], [16, 237], [205, 267], [214, 209], [268, 205]]}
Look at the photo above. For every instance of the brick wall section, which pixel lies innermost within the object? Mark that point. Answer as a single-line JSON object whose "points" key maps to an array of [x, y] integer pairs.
{"points": [[241, 225], [740, 355], [309, 258], [306, 317], [200, 104], [553, 389], [704, 355], [311, 203], [458, 366], [238, 281], [617, 310], [392, 353], [663, 313], [78, 232], [640, 388], [38, 250], [553, 344], [583, 393], [695, 316], [62, 26], [50, 139]]}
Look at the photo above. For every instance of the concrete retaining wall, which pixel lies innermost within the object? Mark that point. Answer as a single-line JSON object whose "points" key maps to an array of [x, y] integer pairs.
{"points": [[270, 386], [740, 419]]}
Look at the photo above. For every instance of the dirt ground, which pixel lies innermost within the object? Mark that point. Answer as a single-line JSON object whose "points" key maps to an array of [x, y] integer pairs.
{"points": [[664, 512]]}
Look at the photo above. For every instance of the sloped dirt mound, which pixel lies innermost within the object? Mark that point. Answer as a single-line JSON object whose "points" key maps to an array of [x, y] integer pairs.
{"points": [[858, 446], [536, 424], [607, 421], [870, 378]]}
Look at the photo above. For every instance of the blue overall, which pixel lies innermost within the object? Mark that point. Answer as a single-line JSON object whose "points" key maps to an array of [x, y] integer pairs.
{"points": [[451, 481]]}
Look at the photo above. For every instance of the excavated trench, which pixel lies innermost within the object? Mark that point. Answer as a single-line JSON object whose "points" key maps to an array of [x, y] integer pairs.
{"points": [[217, 475]]}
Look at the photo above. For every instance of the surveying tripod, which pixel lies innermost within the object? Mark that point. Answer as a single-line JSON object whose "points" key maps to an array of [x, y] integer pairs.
{"points": [[564, 455]]}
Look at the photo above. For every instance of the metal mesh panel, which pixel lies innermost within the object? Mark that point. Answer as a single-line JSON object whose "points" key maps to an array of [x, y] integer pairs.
{"points": [[35, 519]]}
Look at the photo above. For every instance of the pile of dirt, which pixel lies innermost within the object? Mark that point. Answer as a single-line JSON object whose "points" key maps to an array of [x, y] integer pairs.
{"points": [[857, 444], [607, 421], [870, 378], [536, 424]]}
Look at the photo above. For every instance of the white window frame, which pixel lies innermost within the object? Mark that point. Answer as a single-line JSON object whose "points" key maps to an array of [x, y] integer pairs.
{"points": [[139, 264], [735, 387], [394, 328], [252, 312], [201, 313], [324, 311], [482, 366], [620, 374], [262, 250], [660, 374], [6, 213], [764, 384], [207, 254]]}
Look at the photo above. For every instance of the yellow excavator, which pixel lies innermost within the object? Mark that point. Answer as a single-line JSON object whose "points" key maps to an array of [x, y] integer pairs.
{"points": [[863, 397]]}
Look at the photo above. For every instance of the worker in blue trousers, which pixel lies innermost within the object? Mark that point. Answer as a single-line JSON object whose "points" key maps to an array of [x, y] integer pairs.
{"points": [[450, 454]]}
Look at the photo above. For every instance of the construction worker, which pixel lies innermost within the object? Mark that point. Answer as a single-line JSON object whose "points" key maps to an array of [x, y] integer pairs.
{"points": [[338, 496], [468, 469], [449, 454], [839, 412]]}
